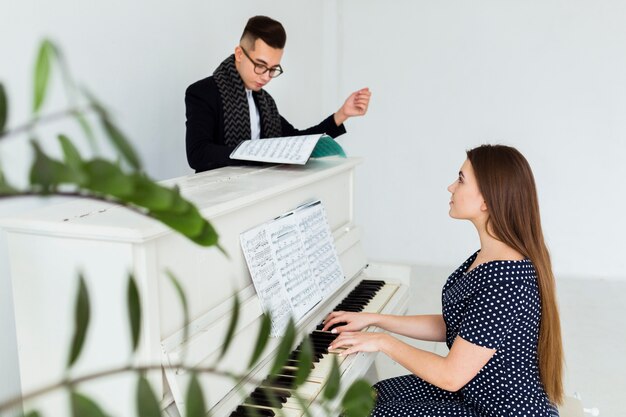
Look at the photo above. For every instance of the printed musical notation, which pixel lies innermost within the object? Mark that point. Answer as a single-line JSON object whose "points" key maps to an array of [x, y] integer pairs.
{"points": [[293, 263], [320, 248], [283, 150]]}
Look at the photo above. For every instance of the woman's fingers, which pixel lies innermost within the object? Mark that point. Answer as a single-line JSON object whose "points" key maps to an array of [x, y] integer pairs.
{"points": [[342, 340], [332, 319]]}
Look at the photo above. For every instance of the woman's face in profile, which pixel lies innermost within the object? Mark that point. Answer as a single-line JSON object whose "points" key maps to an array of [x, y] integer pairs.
{"points": [[466, 201]]}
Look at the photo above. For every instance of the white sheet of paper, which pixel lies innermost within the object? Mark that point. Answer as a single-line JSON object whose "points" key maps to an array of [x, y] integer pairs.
{"points": [[266, 277], [284, 150], [300, 287], [293, 263], [319, 247]]}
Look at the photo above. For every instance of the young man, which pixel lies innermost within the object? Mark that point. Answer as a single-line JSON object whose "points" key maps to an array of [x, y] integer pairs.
{"points": [[231, 105]]}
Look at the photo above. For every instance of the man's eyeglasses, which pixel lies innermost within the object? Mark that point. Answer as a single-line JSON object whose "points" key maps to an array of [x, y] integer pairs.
{"points": [[261, 68]]}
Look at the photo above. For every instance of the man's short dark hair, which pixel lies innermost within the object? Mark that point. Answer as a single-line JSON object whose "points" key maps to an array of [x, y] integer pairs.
{"points": [[267, 29]]}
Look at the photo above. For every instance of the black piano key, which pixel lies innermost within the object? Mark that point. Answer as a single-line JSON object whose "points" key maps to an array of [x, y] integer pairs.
{"points": [[295, 354], [343, 323], [350, 307], [359, 297], [251, 400], [317, 342], [322, 335], [255, 411], [270, 394], [280, 381], [295, 363], [372, 281], [266, 398], [280, 392], [288, 372]]}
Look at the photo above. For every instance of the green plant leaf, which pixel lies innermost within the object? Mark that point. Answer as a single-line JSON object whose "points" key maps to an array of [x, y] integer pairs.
{"points": [[83, 406], [147, 403], [81, 321], [234, 318], [134, 310], [189, 223], [4, 108], [48, 173], [285, 347], [121, 144], [262, 339], [327, 146], [68, 82], [303, 405], [208, 237], [183, 302], [107, 178], [195, 400], [359, 399], [305, 359], [5, 188], [42, 73], [94, 102], [87, 130], [33, 413], [332, 385], [149, 194], [179, 204], [73, 161], [72, 156]]}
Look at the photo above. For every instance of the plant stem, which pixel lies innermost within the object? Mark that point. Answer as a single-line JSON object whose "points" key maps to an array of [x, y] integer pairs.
{"points": [[28, 126], [16, 401]]}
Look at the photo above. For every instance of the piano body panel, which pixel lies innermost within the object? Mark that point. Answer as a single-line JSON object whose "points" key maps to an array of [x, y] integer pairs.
{"points": [[45, 282], [50, 245]]}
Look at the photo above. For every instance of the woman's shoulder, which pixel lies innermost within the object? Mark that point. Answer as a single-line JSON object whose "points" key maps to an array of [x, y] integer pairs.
{"points": [[499, 271], [491, 272]]}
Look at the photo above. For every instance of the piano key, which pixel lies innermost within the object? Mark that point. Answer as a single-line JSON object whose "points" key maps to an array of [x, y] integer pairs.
{"points": [[295, 363], [261, 411], [268, 395], [255, 411]]}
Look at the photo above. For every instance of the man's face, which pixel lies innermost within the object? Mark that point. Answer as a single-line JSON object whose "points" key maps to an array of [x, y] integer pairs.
{"points": [[263, 55]]}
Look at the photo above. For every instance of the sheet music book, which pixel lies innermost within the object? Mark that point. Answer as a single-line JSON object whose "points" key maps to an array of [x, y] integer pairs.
{"points": [[283, 150], [293, 263]]}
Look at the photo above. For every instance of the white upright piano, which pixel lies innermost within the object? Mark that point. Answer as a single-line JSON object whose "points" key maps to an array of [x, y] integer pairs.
{"points": [[49, 247]]}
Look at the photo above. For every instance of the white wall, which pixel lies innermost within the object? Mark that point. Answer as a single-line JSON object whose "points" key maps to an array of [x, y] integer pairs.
{"points": [[545, 76]]}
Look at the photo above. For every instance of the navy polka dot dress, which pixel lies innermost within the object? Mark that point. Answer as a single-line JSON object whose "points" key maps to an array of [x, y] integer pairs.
{"points": [[495, 305]]}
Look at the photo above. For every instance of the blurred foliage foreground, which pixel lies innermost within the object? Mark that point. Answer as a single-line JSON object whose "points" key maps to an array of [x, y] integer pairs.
{"points": [[124, 183]]}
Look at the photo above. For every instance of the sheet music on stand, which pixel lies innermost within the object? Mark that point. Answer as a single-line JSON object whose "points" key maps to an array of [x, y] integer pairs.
{"points": [[293, 263]]}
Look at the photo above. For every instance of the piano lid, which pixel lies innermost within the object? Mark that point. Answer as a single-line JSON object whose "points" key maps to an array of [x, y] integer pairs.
{"points": [[214, 193]]}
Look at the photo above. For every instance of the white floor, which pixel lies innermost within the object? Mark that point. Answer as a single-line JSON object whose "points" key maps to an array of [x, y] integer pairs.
{"points": [[594, 335]]}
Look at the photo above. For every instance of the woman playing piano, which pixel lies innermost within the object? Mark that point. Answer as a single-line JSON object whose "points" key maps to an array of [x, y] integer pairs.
{"points": [[500, 318]]}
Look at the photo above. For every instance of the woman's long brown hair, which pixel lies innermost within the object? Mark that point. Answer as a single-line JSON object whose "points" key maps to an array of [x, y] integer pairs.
{"points": [[508, 187]]}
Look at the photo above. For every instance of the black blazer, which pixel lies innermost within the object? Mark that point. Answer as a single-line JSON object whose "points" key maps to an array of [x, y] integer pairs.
{"points": [[205, 128]]}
